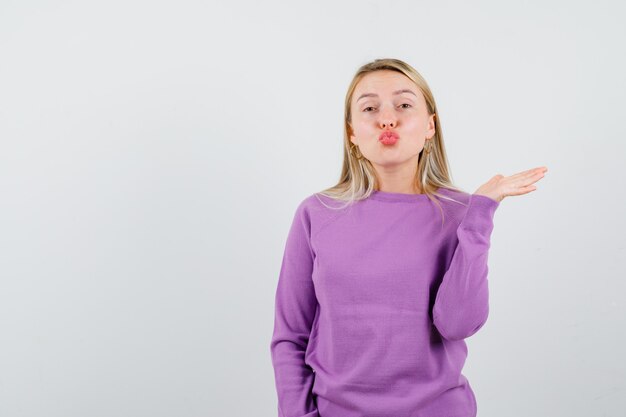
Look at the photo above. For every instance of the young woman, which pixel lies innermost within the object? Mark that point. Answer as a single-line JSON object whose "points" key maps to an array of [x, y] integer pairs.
{"points": [[385, 274]]}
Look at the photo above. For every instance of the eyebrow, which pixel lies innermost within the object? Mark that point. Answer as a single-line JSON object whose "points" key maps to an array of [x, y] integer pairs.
{"points": [[404, 90]]}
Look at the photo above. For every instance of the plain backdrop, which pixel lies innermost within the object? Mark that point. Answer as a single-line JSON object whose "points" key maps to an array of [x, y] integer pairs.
{"points": [[153, 153]]}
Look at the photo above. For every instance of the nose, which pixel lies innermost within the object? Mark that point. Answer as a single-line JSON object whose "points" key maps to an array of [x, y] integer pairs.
{"points": [[387, 120]]}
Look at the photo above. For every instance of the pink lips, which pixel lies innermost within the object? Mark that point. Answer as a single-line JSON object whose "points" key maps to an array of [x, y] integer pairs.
{"points": [[388, 137]]}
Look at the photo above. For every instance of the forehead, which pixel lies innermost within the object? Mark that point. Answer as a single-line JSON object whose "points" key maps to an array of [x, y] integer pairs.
{"points": [[384, 83]]}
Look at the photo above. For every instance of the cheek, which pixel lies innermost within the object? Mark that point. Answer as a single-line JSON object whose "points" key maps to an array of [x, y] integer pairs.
{"points": [[413, 123], [361, 127]]}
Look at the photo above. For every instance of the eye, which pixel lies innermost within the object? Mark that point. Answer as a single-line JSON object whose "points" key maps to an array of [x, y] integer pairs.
{"points": [[370, 107]]}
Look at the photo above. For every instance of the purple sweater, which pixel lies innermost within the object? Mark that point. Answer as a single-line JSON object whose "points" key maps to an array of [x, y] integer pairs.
{"points": [[373, 304]]}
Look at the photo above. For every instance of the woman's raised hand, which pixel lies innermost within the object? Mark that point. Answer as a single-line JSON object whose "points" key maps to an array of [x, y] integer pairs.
{"points": [[500, 186]]}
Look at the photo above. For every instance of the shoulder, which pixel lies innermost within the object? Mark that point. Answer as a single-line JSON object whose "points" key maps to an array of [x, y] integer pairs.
{"points": [[454, 200], [317, 210], [454, 203], [468, 205], [317, 203], [309, 204]]}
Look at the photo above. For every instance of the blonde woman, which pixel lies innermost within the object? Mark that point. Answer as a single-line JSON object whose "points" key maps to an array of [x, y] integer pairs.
{"points": [[385, 274]]}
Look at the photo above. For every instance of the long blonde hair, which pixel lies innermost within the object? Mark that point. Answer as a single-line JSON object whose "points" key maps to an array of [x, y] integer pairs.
{"points": [[358, 179]]}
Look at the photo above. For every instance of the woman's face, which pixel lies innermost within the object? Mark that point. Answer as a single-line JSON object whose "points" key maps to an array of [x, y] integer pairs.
{"points": [[388, 100]]}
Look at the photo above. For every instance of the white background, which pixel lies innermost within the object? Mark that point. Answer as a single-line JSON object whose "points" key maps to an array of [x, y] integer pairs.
{"points": [[152, 155]]}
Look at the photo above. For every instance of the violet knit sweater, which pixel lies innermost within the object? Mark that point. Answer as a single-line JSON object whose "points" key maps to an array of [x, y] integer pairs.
{"points": [[373, 304]]}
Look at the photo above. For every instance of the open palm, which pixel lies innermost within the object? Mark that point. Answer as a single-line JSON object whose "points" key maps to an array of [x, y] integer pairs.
{"points": [[500, 186]]}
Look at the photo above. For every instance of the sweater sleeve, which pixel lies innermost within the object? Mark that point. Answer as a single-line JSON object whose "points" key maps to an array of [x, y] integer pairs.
{"points": [[295, 308], [462, 302]]}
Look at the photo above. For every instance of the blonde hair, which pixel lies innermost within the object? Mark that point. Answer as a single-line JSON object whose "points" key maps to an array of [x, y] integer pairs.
{"points": [[358, 179]]}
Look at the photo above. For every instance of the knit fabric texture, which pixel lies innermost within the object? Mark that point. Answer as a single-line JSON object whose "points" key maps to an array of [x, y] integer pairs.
{"points": [[374, 301]]}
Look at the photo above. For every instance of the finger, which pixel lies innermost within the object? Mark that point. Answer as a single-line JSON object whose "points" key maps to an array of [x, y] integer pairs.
{"points": [[534, 178], [522, 190], [523, 181], [529, 173], [528, 179]]}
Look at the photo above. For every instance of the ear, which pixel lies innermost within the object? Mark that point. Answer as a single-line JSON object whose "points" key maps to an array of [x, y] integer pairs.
{"points": [[431, 126], [351, 134]]}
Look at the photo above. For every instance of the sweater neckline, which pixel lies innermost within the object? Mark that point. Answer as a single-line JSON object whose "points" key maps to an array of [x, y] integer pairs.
{"points": [[389, 196]]}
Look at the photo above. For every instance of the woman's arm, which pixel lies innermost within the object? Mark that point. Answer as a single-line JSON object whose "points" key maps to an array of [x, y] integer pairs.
{"points": [[296, 306], [462, 303]]}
